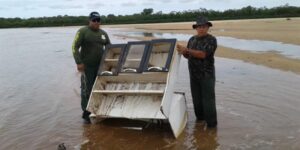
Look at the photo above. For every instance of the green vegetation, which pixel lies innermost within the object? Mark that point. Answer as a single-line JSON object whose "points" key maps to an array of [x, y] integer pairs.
{"points": [[148, 16]]}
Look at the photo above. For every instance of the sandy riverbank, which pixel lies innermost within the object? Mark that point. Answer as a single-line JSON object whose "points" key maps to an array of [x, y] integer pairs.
{"points": [[279, 30]]}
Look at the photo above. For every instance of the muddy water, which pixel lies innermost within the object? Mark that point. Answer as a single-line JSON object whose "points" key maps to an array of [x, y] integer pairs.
{"points": [[258, 107]]}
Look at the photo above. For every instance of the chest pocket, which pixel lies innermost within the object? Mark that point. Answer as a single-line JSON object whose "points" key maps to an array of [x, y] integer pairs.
{"points": [[96, 38], [102, 39]]}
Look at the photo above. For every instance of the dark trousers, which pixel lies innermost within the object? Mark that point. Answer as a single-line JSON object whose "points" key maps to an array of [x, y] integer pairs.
{"points": [[203, 94], [87, 81]]}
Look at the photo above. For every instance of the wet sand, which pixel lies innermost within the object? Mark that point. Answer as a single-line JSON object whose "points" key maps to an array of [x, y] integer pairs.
{"points": [[269, 59], [279, 30], [258, 107]]}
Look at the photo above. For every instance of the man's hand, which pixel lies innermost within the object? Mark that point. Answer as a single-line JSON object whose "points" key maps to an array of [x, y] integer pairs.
{"points": [[80, 67], [181, 49]]}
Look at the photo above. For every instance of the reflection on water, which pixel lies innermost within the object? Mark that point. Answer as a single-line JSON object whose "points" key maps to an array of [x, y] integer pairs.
{"points": [[148, 34], [153, 137], [288, 50], [258, 107]]}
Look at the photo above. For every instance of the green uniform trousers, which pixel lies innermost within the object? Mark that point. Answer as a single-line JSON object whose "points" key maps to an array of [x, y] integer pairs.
{"points": [[87, 81], [203, 94]]}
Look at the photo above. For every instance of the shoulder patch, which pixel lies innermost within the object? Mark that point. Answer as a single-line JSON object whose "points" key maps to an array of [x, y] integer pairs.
{"points": [[103, 37]]}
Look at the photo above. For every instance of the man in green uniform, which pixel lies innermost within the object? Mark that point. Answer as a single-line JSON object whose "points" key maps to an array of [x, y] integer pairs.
{"points": [[200, 52], [91, 40]]}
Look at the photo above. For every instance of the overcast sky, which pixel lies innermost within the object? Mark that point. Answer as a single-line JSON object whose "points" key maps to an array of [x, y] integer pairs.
{"points": [[40, 8]]}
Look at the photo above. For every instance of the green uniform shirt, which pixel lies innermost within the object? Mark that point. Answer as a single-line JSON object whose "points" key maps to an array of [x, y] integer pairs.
{"points": [[91, 44], [200, 68]]}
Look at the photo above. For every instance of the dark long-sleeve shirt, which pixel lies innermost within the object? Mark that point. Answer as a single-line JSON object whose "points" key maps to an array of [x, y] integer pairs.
{"points": [[91, 44], [200, 68]]}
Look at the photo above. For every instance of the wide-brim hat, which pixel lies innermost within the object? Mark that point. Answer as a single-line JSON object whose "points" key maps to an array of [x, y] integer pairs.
{"points": [[202, 21]]}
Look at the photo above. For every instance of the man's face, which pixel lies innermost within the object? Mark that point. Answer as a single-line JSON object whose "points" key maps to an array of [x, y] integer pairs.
{"points": [[95, 23], [202, 29]]}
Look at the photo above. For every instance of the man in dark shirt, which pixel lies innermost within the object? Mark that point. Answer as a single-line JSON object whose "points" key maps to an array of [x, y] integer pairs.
{"points": [[200, 54], [91, 40]]}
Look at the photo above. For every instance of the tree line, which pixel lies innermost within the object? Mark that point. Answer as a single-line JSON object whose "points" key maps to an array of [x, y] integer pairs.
{"points": [[149, 16]]}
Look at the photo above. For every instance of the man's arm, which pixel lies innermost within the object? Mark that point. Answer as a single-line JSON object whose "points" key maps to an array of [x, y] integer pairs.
{"points": [[211, 48], [190, 52], [75, 50], [196, 53]]}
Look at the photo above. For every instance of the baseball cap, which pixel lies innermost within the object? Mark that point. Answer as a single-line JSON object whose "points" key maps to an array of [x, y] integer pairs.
{"points": [[94, 15]]}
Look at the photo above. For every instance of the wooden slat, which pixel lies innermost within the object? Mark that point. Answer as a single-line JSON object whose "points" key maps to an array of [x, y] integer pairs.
{"points": [[129, 106], [111, 60], [153, 77], [115, 60], [142, 92]]}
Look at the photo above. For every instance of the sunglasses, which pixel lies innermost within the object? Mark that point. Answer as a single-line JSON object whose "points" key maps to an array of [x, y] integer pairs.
{"points": [[201, 26], [96, 20]]}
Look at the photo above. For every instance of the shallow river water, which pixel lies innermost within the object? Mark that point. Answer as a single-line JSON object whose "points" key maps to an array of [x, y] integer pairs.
{"points": [[258, 107]]}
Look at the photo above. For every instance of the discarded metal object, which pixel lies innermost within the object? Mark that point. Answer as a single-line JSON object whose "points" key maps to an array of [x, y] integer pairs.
{"points": [[136, 81], [61, 146]]}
